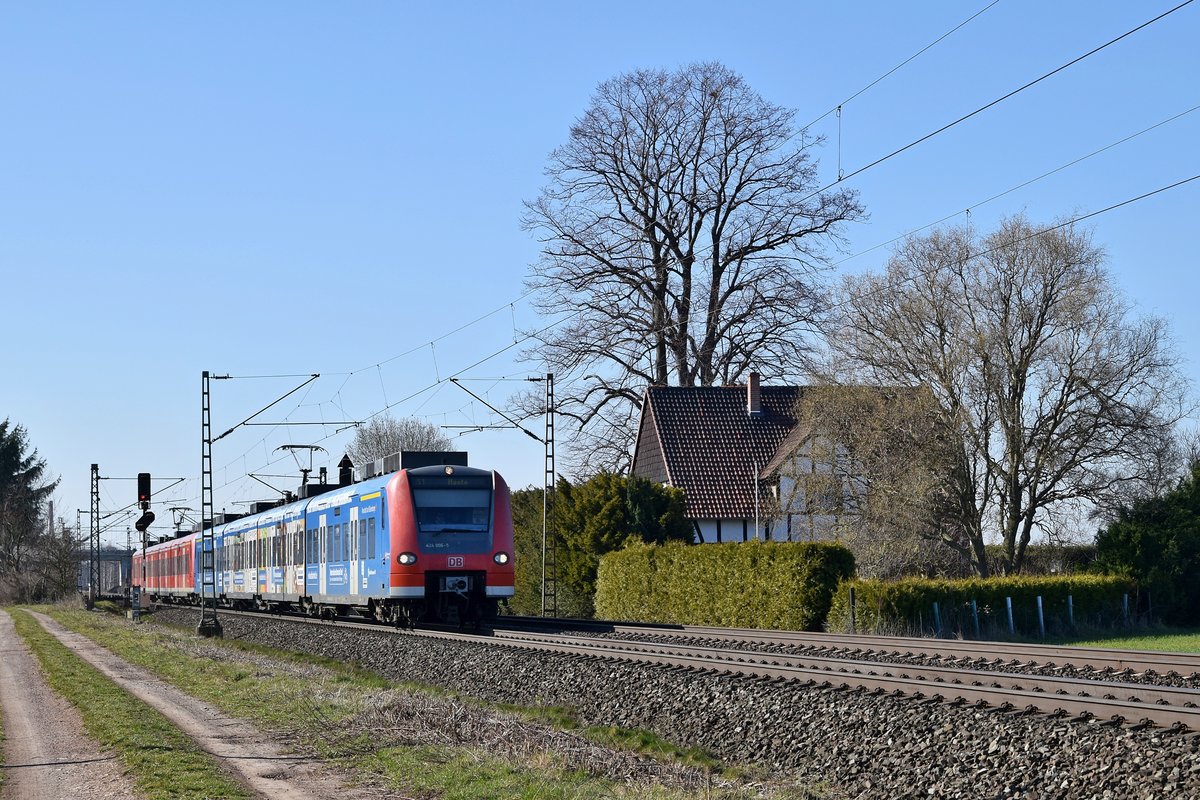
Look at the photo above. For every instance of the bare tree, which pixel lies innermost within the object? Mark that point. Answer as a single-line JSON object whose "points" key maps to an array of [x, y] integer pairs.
{"points": [[873, 475], [56, 563], [385, 435], [683, 223], [1055, 392]]}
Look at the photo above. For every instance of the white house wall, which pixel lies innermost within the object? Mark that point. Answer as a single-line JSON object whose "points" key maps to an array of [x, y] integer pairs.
{"points": [[804, 528]]}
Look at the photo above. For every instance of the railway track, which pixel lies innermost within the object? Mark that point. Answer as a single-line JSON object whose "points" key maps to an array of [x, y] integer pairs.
{"points": [[975, 654], [967, 678]]}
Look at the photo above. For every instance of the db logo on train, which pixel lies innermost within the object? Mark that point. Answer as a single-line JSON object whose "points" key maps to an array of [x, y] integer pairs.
{"points": [[455, 561]]}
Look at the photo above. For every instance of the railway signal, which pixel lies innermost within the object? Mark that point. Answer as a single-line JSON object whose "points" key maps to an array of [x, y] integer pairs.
{"points": [[143, 489]]}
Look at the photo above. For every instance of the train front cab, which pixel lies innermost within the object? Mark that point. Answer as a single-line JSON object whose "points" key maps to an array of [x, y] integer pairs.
{"points": [[452, 543]]}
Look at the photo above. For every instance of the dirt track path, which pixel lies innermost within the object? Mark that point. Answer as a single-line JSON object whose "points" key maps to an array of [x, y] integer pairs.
{"points": [[46, 752], [251, 755]]}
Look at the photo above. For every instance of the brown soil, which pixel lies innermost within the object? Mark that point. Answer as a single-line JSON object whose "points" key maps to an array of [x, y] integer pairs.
{"points": [[251, 756], [46, 752]]}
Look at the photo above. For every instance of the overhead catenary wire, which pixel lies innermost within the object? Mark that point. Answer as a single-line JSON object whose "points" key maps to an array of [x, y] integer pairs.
{"points": [[436, 384], [1035, 234], [903, 63], [1073, 220], [389, 405], [998, 100], [1018, 187]]}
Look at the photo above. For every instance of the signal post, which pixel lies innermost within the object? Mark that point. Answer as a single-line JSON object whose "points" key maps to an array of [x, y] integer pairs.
{"points": [[143, 523]]}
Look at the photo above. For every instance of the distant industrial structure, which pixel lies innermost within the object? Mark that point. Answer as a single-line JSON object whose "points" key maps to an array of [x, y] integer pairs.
{"points": [[114, 566]]}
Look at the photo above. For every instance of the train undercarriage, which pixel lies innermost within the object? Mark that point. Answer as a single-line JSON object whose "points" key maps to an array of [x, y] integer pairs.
{"points": [[449, 600]]}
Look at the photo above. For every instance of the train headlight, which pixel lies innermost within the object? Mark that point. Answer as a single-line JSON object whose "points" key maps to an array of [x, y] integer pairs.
{"points": [[407, 559], [500, 558]]}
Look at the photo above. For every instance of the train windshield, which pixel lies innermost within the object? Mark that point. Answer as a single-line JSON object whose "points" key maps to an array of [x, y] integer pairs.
{"points": [[452, 511]]}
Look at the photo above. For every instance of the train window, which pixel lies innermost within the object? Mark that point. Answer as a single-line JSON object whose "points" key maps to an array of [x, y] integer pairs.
{"points": [[370, 537], [337, 542], [361, 526], [452, 510]]}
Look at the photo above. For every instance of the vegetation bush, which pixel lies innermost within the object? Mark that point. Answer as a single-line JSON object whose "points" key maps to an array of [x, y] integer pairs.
{"points": [[906, 606], [592, 518], [1156, 541], [778, 585]]}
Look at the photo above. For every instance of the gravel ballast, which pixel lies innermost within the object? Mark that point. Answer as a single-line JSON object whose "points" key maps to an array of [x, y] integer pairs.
{"points": [[854, 745]]}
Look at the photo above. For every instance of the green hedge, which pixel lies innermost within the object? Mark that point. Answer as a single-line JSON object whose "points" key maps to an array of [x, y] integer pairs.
{"points": [[776, 585], [906, 606]]}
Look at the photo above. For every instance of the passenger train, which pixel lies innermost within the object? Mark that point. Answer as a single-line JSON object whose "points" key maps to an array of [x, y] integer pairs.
{"points": [[431, 543]]}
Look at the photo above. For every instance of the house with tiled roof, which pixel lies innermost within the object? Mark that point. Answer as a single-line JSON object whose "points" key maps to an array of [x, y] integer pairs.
{"points": [[741, 457]]}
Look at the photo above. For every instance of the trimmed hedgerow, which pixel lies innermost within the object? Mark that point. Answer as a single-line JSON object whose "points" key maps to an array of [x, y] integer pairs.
{"points": [[777, 585], [906, 606]]}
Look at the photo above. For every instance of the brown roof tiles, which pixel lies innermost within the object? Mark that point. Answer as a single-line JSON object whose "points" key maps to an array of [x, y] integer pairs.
{"points": [[704, 441]]}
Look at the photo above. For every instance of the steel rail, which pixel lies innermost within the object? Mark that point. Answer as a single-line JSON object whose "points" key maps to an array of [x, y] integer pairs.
{"points": [[1049, 684], [1012, 653]]}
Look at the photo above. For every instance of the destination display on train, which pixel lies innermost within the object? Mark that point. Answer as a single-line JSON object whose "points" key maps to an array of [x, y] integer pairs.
{"points": [[451, 481]]}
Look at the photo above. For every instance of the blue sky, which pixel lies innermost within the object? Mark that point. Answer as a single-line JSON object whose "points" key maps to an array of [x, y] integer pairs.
{"points": [[293, 188]]}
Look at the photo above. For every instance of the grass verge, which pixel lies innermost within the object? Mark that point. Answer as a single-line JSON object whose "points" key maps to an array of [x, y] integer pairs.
{"points": [[164, 762], [1184, 641], [411, 739]]}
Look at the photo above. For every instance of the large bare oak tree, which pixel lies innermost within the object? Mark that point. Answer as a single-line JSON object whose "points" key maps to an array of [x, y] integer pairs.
{"points": [[682, 222], [1056, 393]]}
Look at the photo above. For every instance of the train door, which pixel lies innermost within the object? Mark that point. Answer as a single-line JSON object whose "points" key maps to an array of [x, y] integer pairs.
{"points": [[260, 551], [383, 542], [312, 560], [352, 536], [323, 554], [296, 539]]}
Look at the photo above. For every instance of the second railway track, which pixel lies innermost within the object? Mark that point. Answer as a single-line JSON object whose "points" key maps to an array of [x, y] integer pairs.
{"points": [[970, 680]]}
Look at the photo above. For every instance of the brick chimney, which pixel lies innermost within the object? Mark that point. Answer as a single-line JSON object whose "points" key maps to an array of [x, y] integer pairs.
{"points": [[753, 396]]}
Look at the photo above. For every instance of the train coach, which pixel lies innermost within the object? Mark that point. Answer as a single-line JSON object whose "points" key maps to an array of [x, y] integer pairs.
{"points": [[430, 543]]}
